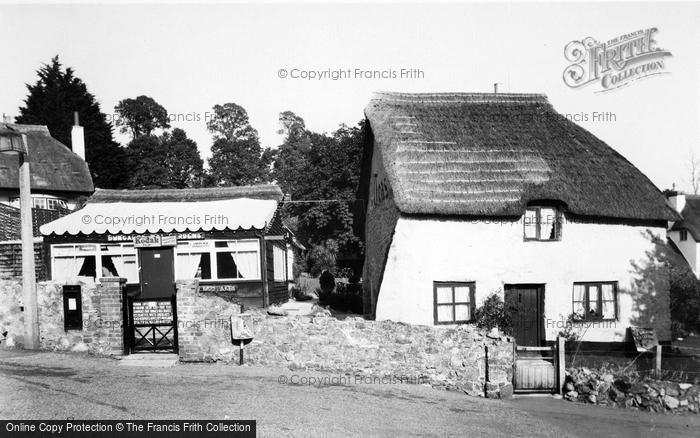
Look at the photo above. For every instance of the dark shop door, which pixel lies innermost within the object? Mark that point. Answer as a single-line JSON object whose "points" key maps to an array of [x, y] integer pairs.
{"points": [[157, 272]]}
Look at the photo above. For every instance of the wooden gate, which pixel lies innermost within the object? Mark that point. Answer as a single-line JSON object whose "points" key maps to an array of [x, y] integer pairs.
{"points": [[152, 324], [539, 369]]}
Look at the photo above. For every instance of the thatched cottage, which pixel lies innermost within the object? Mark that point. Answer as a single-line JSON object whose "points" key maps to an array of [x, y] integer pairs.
{"points": [[473, 194]]}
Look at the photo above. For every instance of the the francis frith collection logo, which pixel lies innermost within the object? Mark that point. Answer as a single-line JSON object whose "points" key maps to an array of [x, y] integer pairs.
{"points": [[615, 63]]}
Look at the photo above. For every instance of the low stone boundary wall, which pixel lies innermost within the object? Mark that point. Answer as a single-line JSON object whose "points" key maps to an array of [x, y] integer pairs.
{"points": [[604, 388], [102, 317], [461, 358]]}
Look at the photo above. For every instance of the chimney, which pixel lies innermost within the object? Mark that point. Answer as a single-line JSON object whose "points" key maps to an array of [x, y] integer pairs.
{"points": [[677, 201], [77, 137], [6, 118]]}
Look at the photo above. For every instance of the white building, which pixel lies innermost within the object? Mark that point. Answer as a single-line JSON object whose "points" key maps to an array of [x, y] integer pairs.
{"points": [[685, 233], [473, 194]]}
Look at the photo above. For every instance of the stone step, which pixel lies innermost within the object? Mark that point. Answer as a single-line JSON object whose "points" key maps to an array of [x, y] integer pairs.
{"points": [[150, 360]]}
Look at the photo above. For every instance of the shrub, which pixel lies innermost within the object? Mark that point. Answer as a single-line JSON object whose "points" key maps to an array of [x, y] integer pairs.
{"points": [[493, 313], [345, 298], [319, 259]]}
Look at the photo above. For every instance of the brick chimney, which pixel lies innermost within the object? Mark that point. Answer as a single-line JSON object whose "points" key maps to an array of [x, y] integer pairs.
{"points": [[77, 137], [677, 201]]}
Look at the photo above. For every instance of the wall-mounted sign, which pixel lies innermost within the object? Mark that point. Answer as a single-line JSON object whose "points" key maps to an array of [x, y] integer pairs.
{"points": [[165, 237], [152, 312], [217, 288], [644, 338], [154, 240], [147, 241]]}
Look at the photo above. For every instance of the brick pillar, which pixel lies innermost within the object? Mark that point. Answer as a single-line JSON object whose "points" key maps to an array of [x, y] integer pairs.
{"points": [[111, 313], [187, 331]]}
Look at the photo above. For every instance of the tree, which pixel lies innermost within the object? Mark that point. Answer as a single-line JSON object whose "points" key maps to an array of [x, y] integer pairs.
{"points": [[140, 116], [324, 171], [694, 170], [53, 99], [237, 157], [169, 161]]}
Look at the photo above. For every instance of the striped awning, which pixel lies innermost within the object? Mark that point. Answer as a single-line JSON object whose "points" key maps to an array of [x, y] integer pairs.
{"points": [[165, 217]]}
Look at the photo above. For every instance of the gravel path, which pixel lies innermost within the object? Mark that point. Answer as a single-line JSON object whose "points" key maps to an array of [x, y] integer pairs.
{"points": [[57, 386]]}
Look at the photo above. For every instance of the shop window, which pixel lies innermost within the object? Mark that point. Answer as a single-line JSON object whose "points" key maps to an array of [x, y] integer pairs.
{"points": [[219, 260], [279, 263], [96, 261]]}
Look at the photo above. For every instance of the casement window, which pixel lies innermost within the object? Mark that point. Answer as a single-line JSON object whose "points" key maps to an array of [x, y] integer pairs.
{"points": [[93, 260], [542, 223], [42, 203], [218, 260], [684, 235], [279, 263], [595, 300], [454, 302]]}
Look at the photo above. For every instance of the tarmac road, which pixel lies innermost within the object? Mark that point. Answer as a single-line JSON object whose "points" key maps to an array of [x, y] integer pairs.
{"points": [[57, 386]]}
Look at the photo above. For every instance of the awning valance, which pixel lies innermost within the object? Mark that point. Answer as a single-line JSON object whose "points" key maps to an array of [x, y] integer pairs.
{"points": [[166, 217]]}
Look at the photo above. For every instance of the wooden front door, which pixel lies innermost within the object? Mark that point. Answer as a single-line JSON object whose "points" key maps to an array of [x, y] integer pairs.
{"points": [[156, 272], [526, 304]]}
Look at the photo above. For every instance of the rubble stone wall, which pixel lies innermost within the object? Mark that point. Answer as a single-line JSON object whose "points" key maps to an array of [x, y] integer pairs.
{"points": [[447, 357]]}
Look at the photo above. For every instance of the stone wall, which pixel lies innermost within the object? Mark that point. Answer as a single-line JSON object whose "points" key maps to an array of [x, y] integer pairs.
{"points": [[203, 323], [102, 317], [620, 390], [452, 358]]}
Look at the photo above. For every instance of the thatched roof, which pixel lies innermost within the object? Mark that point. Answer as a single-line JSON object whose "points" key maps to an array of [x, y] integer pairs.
{"points": [[492, 154], [265, 191], [691, 217], [53, 166]]}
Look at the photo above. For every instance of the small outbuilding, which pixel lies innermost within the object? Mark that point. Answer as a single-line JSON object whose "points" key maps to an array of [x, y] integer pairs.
{"points": [[231, 239]]}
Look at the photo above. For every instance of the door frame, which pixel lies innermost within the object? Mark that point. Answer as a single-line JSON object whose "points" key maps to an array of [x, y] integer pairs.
{"points": [[139, 260], [540, 296]]}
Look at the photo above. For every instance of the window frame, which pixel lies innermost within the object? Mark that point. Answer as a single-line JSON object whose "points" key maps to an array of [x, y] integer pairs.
{"points": [[212, 251], [683, 235], [278, 276], [100, 250], [538, 216], [453, 284], [599, 300]]}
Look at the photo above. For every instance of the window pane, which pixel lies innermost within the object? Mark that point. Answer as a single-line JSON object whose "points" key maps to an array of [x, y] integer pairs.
{"points": [[593, 294], [248, 264], [462, 312], [226, 265], [608, 292], [444, 294], [530, 221], [462, 294], [88, 268], [204, 271], [445, 314], [609, 309], [547, 223], [579, 291], [247, 245], [579, 309]]}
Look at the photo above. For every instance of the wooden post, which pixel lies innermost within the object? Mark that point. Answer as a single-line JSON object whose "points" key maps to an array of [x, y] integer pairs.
{"points": [[658, 361], [561, 366], [31, 317]]}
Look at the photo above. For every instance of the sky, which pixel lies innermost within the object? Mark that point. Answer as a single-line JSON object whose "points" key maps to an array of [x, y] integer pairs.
{"points": [[191, 57]]}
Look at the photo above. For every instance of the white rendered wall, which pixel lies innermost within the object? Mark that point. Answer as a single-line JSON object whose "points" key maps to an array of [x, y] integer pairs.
{"points": [[494, 254]]}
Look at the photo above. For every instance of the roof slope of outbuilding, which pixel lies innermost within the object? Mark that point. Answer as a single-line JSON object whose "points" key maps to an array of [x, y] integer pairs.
{"points": [[691, 217], [53, 166], [492, 154]]}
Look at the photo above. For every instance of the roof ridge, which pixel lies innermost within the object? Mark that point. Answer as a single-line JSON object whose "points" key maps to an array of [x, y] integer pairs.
{"points": [[461, 97], [27, 128]]}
